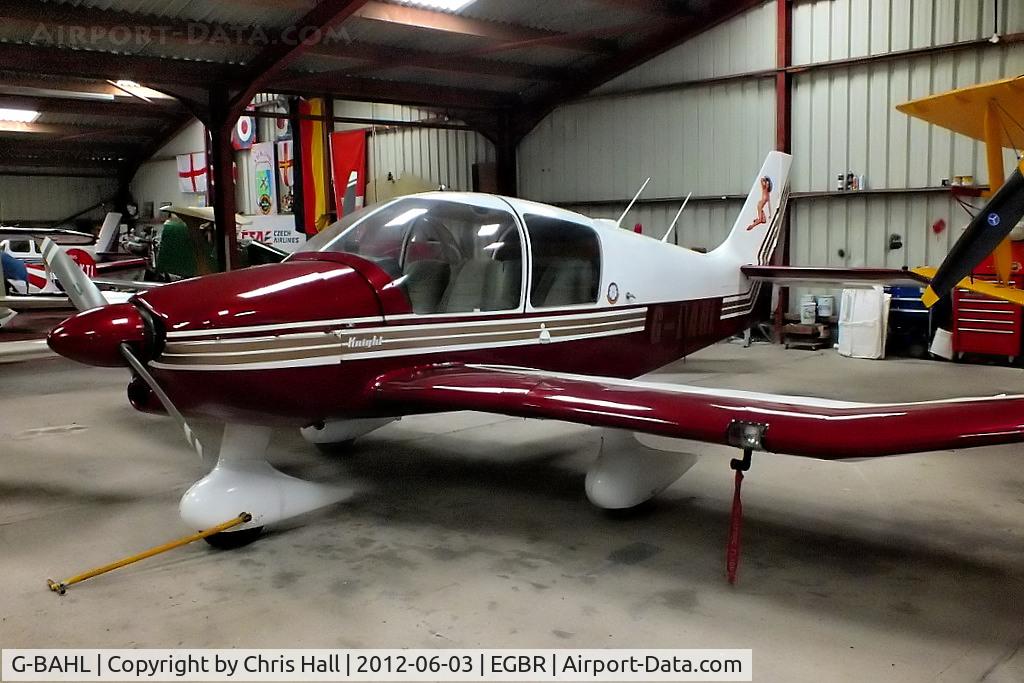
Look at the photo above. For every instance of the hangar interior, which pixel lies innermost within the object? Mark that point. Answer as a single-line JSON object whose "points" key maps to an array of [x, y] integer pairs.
{"points": [[211, 127]]}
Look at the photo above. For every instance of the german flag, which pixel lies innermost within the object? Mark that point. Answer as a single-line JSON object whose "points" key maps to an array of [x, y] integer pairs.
{"points": [[314, 186]]}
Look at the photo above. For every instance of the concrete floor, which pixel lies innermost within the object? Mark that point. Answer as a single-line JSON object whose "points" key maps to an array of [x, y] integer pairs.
{"points": [[473, 530]]}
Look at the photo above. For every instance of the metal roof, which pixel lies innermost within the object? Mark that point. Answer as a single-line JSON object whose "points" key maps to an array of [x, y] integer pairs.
{"points": [[521, 56]]}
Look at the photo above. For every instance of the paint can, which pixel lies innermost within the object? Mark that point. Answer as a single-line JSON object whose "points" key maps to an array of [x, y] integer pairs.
{"points": [[942, 344], [826, 306], [808, 309]]}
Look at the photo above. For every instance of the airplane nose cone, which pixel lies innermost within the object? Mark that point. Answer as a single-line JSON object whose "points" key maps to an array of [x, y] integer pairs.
{"points": [[94, 337]]}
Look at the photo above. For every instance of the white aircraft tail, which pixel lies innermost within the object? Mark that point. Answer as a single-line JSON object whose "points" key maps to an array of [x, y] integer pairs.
{"points": [[106, 243], [756, 232]]}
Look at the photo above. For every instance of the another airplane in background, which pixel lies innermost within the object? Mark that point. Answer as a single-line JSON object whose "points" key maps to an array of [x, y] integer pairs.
{"points": [[98, 256]]}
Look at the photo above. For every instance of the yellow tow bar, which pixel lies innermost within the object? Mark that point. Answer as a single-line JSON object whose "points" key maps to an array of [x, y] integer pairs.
{"points": [[61, 587]]}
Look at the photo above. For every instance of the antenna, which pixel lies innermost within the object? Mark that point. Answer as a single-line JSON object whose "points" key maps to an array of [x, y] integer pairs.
{"points": [[635, 197], [676, 219]]}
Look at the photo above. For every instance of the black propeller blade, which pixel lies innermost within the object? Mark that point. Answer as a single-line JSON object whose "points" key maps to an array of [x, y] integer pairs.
{"points": [[982, 236]]}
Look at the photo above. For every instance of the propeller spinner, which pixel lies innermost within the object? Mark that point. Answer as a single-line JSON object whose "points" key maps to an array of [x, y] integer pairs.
{"points": [[103, 334]]}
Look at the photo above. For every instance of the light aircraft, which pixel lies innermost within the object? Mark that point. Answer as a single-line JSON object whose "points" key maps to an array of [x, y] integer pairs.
{"points": [[98, 256], [458, 301]]}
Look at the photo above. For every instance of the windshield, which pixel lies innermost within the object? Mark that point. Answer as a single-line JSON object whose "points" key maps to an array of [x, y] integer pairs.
{"points": [[448, 256]]}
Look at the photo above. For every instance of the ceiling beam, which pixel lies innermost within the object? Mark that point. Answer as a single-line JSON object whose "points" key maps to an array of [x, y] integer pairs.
{"points": [[278, 56], [381, 90], [382, 57], [445, 22], [50, 171], [124, 108], [57, 87], [658, 8], [151, 71], [62, 131], [54, 150]]}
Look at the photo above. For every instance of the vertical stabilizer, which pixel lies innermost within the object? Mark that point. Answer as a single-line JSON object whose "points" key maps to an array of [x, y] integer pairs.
{"points": [[756, 232], [106, 243]]}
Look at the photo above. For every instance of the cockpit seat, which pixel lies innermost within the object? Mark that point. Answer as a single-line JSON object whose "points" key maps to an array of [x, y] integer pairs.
{"points": [[484, 284], [564, 282], [425, 282]]}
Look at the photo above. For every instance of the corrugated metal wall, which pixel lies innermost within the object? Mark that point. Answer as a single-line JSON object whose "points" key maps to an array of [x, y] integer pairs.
{"points": [[704, 224], [439, 156], [846, 119], [27, 198], [826, 30], [743, 44], [156, 182], [710, 139]]}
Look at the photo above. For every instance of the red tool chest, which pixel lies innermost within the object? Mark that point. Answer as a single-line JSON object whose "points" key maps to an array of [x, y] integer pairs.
{"points": [[982, 324]]}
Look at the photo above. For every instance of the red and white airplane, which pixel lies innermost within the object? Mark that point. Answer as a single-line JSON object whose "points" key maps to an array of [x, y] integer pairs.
{"points": [[448, 301]]}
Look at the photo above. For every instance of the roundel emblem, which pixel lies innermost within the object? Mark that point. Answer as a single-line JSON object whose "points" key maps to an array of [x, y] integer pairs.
{"points": [[244, 133], [613, 293], [994, 219]]}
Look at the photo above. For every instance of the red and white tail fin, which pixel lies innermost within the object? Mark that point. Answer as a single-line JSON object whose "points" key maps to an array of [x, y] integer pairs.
{"points": [[756, 232]]}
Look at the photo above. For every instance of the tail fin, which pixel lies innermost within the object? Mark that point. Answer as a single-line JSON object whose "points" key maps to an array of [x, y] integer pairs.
{"points": [[756, 232], [107, 241]]}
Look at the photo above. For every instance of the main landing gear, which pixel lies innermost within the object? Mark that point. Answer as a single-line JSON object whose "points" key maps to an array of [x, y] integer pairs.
{"points": [[628, 472]]}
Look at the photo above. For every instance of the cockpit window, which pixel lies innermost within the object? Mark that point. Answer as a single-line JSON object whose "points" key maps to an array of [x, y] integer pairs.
{"points": [[449, 257], [566, 262]]}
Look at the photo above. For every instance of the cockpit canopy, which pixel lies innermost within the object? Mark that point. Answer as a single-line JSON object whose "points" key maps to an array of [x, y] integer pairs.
{"points": [[455, 256]]}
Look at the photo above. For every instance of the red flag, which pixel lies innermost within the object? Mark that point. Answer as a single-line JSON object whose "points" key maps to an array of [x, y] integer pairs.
{"points": [[348, 159]]}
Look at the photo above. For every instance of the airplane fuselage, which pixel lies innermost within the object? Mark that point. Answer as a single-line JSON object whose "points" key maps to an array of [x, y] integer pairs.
{"points": [[305, 340]]}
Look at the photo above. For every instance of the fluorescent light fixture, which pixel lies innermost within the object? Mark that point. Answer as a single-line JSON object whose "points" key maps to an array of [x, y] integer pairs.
{"points": [[494, 246], [444, 5], [404, 218], [124, 83], [18, 115], [489, 230]]}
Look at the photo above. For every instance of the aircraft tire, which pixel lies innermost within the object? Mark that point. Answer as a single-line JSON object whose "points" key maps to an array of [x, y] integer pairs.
{"points": [[335, 447], [230, 540]]}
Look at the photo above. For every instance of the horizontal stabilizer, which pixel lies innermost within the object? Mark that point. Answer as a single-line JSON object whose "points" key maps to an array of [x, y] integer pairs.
{"points": [[841, 277]]}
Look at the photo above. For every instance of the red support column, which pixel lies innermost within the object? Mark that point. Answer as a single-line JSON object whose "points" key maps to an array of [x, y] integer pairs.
{"points": [[222, 178], [783, 134]]}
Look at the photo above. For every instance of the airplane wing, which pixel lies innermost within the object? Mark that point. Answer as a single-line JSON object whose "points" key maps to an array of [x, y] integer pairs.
{"points": [[20, 351], [104, 267], [794, 425], [866, 277], [130, 285], [24, 303]]}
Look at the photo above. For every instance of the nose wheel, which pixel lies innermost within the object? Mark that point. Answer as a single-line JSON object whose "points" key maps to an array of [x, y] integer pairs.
{"points": [[242, 476], [230, 540]]}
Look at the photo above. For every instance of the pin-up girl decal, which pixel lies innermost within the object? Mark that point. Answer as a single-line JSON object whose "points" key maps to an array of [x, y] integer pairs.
{"points": [[763, 203]]}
